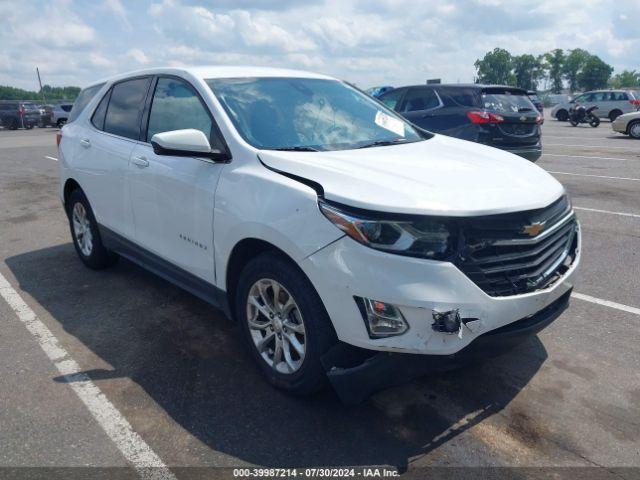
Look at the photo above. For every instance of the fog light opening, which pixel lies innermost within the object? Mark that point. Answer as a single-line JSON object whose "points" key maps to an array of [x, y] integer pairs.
{"points": [[446, 322], [381, 319]]}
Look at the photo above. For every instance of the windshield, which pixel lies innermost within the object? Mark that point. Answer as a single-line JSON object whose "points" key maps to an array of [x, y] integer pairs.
{"points": [[308, 114], [507, 102]]}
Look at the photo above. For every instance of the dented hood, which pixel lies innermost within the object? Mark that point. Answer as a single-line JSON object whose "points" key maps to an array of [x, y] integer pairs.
{"points": [[439, 176]]}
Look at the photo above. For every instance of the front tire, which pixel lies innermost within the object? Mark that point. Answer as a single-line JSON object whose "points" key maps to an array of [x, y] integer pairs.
{"points": [[573, 123], [634, 129], [85, 233], [594, 122], [284, 322]]}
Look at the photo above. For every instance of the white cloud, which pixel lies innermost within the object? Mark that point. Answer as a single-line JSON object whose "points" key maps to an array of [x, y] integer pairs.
{"points": [[365, 41]]}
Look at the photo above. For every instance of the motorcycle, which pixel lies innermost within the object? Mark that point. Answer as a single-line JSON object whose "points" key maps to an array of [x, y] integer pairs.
{"points": [[582, 114]]}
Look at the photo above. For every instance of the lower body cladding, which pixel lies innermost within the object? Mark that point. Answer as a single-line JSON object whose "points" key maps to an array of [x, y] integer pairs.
{"points": [[422, 291]]}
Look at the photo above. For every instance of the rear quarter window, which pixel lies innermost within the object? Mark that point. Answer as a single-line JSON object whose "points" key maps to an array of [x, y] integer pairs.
{"points": [[82, 101], [460, 96]]}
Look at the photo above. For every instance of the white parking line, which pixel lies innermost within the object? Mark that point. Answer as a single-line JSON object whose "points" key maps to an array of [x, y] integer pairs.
{"points": [[583, 156], [606, 303], [145, 461], [588, 146], [595, 176], [51, 158], [623, 214]]}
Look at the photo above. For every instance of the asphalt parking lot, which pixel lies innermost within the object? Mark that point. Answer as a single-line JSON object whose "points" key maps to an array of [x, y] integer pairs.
{"points": [[174, 370]]}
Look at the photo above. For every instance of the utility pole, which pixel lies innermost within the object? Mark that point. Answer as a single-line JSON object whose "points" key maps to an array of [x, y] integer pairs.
{"points": [[44, 100]]}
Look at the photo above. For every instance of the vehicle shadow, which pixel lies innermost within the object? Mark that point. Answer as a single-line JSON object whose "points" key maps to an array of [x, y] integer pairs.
{"points": [[190, 360]]}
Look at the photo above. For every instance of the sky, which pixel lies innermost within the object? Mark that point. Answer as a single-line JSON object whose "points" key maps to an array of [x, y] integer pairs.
{"points": [[368, 42]]}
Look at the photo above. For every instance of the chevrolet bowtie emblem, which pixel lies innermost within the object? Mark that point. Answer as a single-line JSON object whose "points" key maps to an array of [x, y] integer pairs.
{"points": [[533, 229], [523, 118]]}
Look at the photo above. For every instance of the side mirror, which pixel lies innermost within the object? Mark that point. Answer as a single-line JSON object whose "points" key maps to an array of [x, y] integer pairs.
{"points": [[186, 143]]}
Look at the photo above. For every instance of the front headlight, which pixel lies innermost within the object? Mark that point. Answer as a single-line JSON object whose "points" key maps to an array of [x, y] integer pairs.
{"points": [[423, 237]]}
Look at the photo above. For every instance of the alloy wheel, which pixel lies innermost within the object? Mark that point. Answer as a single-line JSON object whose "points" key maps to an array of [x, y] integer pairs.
{"points": [[276, 326], [82, 229]]}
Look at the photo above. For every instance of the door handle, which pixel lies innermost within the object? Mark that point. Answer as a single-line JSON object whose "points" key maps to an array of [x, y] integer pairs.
{"points": [[142, 162], [85, 142]]}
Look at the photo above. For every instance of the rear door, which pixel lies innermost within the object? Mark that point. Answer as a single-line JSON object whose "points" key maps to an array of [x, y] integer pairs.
{"points": [[173, 196], [105, 149], [418, 104], [520, 126]]}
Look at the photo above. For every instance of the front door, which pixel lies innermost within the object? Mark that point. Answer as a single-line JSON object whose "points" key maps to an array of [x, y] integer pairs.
{"points": [[173, 196]]}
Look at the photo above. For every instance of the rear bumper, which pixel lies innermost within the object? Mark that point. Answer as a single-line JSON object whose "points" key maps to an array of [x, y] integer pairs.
{"points": [[355, 374], [530, 153]]}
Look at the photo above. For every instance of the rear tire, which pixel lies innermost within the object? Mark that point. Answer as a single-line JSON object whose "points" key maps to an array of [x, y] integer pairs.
{"points": [[299, 332], [594, 122], [562, 115], [614, 114], [634, 129], [85, 233]]}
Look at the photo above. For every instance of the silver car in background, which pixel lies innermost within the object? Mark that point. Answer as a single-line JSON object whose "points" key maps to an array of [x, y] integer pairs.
{"points": [[629, 124], [60, 113], [611, 103]]}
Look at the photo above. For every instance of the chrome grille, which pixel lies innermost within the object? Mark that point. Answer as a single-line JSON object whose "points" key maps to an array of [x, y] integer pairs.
{"points": [[502, 259]]}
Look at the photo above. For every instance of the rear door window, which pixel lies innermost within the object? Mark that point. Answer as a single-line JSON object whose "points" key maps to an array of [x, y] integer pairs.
{"points": [[125, 108], [619, 96], [461, 96], [82, 101], [418, 99], [391, 99]]}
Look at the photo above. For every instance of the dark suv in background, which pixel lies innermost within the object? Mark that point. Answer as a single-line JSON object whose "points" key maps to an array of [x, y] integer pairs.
{"points": [[498, 116], [16, 114]]}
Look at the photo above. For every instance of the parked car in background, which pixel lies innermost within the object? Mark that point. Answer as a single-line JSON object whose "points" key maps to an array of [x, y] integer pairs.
{"points": [[629, 124], [533, 96], [611, 103], [348, 243], [61, 113], [46, 115], [16, 114], [377, 91], [498, 116]]}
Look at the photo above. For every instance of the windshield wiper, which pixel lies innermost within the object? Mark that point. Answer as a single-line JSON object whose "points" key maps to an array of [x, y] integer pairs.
{"points": [[382, 143], [297, 148]]}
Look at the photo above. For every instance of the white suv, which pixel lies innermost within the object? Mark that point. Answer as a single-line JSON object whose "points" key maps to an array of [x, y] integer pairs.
{"points": [[345, 241]]}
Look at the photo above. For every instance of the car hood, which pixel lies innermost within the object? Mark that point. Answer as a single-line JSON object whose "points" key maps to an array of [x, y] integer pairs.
{"points": [[439, 176], [627, 116]]}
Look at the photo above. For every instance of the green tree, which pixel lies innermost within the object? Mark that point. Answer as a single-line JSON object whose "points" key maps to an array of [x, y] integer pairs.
{"points": [[51, 93], [595, 73], [554, 62], [573, 64], [527, 70], [626, 79], [495, 68]]}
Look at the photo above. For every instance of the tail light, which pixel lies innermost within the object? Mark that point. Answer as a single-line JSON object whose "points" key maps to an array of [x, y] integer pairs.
{"points": [[21, 111], [635, 102], [539, 119], [480, 116], [58, 138]]}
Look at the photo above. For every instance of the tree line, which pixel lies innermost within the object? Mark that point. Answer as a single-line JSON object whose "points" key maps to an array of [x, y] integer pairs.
{"points": [[49, 92], [578, 68]]}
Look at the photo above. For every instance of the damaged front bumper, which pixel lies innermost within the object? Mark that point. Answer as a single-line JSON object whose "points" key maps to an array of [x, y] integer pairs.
{"points": [[357, 373]]}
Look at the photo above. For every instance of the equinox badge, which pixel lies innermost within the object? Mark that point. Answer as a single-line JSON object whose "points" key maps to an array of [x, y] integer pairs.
{"points": [[533, 229]]}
